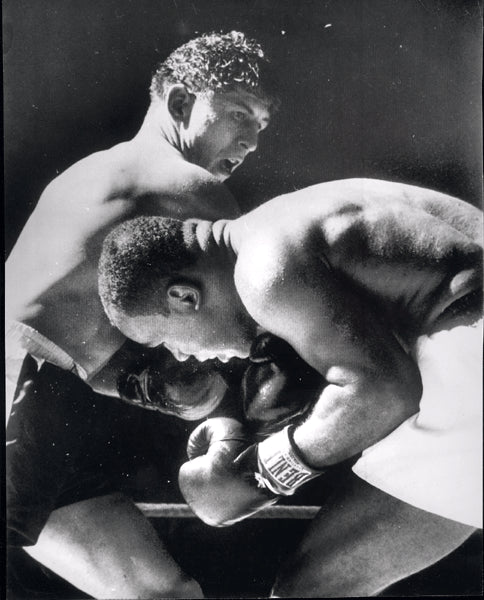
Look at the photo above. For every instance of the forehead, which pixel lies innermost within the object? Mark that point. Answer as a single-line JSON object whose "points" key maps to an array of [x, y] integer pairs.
{"points": [[238, 97]]}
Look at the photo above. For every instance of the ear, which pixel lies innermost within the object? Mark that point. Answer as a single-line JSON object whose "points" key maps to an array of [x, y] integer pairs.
{"points": [[183, 298], [179, 102]]}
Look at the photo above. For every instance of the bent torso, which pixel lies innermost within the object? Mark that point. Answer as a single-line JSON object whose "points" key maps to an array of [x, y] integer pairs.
{"points": [[410, 251]]}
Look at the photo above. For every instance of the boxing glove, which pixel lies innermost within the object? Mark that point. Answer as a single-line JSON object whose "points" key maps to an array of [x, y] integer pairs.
{"points": [[190, 390], [217, 438], [213, 483], [276, 465], [278, 388]]}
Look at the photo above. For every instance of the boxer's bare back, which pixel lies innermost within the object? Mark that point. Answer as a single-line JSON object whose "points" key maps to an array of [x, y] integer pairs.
{"points": [[413, 250]]}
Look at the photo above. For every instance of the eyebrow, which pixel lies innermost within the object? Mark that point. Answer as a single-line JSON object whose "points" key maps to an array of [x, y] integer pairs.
{"points": [[247, 107]]}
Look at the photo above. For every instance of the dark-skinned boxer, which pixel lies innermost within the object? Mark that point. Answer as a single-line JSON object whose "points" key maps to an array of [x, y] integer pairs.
{"points": [[371, 283]]}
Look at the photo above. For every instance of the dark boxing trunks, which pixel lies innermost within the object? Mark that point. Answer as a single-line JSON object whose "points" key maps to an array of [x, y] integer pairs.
{"points": [[66, 444]]}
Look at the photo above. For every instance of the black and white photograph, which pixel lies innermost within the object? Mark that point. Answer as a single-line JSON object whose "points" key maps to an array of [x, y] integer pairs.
{"points": [[243, 298]]}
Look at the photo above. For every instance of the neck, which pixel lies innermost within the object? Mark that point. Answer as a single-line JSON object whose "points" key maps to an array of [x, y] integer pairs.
{"points": [[158, 128]]}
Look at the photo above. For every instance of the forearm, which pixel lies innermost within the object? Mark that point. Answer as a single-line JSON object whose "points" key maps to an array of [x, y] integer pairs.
{"points": [[347, 419]]}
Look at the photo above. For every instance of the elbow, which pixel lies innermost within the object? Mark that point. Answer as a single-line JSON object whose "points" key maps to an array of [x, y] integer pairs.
{"points": [[397, 388], [400, 398], [408, 392]]}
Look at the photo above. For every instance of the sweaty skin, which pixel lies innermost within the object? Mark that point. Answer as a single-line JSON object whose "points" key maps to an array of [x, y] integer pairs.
{"points": [[51, 273], [173, 167], [350, 278], [350, 274]]}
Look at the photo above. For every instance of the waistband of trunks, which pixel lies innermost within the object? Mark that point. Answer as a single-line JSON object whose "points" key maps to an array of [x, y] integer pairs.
{"points": [[21, 337]]}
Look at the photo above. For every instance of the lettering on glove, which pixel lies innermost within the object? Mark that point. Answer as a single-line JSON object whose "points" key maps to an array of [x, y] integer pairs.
{"points": [[276, 465]]}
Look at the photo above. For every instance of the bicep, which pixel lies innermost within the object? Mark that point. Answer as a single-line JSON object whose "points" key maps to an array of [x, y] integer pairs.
{"points": [[331, 326], [372, 384]]}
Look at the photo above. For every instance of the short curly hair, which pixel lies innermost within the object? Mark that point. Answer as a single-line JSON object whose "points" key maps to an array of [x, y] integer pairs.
{"points": [[136, 258], [218, 62]]}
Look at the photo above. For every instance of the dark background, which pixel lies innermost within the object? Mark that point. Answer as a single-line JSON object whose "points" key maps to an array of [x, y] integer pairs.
{"points": [[378, 88]]}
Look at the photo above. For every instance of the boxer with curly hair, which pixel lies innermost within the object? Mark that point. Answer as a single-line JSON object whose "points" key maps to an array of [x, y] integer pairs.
{"points": [[209, 101]]}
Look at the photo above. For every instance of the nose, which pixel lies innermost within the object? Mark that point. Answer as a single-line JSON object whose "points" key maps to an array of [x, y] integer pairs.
{"points": [[249, 137]]}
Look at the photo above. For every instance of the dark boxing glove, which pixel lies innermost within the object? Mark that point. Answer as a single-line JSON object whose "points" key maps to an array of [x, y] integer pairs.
{"points": [[190, 390], [278, 388]]}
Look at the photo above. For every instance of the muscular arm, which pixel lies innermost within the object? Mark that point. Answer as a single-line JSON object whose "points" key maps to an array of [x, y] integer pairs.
{"points": [[338, 281], [373, 385]]}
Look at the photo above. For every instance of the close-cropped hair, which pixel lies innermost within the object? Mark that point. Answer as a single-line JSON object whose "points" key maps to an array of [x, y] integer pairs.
{"points": [[218, 62], [136, 258]]}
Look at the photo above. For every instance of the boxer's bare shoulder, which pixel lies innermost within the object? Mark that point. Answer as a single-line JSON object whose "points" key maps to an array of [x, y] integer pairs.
{"points": [[285, 242], [317, 252], [284, 281], [129, 178], [53, 266]]}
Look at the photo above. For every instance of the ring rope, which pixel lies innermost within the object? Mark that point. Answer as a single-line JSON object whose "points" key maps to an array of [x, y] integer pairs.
{"points": [[183, 511]]}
